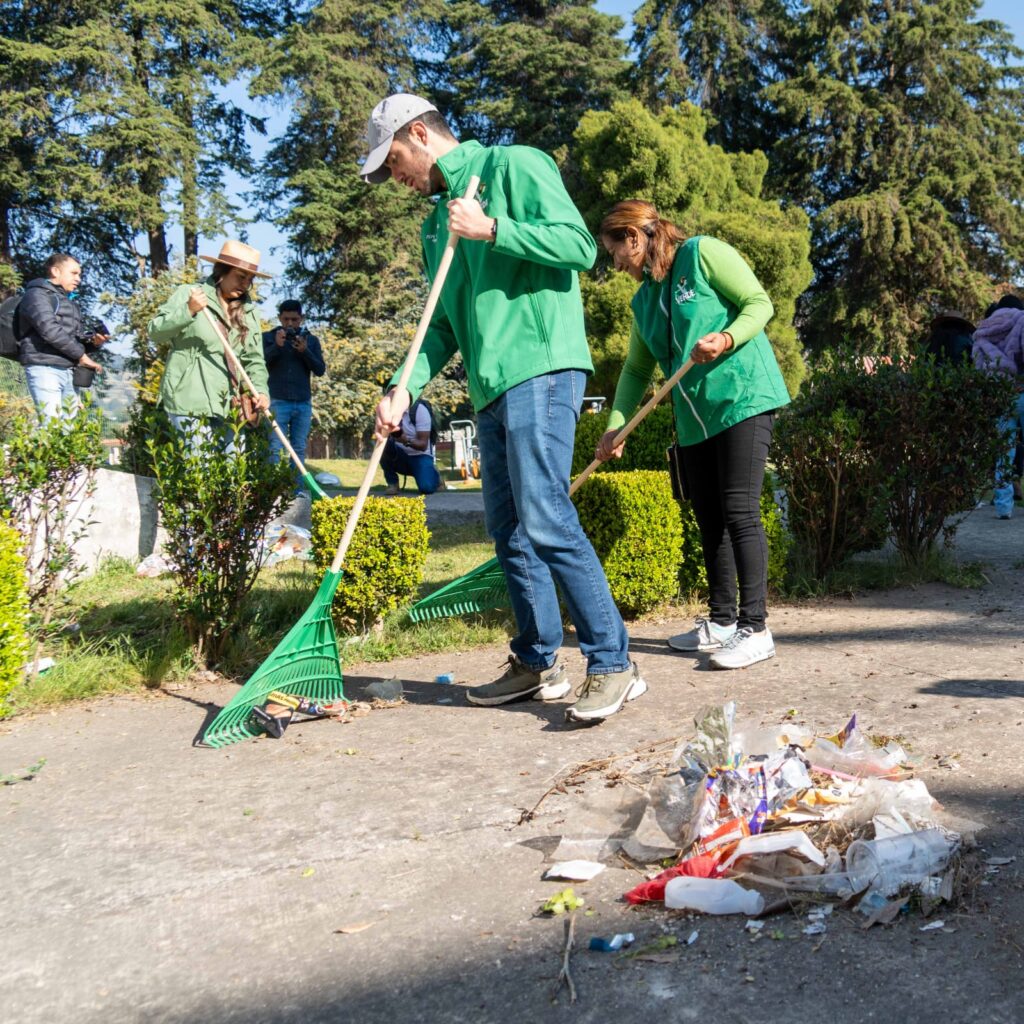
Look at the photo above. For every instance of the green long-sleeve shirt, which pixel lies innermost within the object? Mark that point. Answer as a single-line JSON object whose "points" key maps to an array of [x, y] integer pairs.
{"points": [[731, 277]]}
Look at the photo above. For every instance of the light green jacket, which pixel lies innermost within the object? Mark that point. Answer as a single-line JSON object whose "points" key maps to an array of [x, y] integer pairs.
{"points": [[195, 380], [512, 308]]}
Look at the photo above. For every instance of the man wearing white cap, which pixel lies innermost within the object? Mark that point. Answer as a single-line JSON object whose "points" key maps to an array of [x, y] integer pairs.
{"points": [[197, 381], [511, 305]]}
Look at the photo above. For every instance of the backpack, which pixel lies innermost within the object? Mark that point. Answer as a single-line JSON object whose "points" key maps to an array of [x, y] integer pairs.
{"points": [[9, 327], [433, 420]]}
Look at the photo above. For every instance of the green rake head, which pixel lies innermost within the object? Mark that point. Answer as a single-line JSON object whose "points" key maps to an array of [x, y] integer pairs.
{"points": [[305, 664], [478, 591], [316, 492]]}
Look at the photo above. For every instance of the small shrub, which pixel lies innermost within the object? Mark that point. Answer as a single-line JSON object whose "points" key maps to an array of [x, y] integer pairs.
{"points": [[825, 461], [13, 613], [48, 471], [935, 434], [384, 564], [634, 524], [215, 507]]}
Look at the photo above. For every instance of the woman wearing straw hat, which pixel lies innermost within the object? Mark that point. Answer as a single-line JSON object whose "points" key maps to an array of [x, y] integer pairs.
{"points": [[196, 381]]}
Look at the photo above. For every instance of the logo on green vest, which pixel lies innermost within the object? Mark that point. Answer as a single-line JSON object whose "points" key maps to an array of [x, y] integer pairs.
{"points": [[683, 294]]}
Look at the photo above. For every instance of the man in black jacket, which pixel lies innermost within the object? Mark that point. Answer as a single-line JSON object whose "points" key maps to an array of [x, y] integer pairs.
{"points": [[53, 336], [292, 354]]}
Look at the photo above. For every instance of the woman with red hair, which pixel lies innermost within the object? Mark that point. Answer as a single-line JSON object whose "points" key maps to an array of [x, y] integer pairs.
{"points": [[698, 299]]}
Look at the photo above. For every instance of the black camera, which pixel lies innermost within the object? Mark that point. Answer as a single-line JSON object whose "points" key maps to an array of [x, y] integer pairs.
{"points": [[291, 333]]}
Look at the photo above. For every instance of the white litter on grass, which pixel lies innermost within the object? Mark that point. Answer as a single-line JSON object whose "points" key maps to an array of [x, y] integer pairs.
{"points": [[816, 928], [754, 926], [932, 926], [42, 665], [693, 938], [327, 479], [574, 870]]}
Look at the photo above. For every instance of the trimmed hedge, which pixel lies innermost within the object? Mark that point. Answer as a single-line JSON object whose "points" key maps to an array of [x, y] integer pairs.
{"points": [[636, 531], [13, 613], [645, 448], [384, 564], [645, 451]]}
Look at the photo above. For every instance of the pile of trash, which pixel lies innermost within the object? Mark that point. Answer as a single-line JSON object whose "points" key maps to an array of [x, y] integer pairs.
{"points": [[280, 542], [744, 810]]}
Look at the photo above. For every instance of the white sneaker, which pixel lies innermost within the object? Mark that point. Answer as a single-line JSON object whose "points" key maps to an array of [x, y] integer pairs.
{"points": [[743, 648], [706, 636]]}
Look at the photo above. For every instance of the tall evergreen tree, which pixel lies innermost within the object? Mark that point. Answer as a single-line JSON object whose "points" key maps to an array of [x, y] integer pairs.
{"points": [[716, 54], [901, 129], [526, 71], [114, 127], [347, 239]]}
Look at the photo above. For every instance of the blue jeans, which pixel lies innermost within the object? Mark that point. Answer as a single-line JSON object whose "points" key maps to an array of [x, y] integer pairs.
{"points": [[395, 462], [526, 441], [1002, 496], [51, 387], [294, 419]]}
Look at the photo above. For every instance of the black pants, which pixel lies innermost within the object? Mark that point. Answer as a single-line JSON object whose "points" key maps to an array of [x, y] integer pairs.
{"points": [[724, 475]]}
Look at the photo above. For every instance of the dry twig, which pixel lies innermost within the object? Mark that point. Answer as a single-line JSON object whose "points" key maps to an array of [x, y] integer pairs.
{"points": [[564, 974]]}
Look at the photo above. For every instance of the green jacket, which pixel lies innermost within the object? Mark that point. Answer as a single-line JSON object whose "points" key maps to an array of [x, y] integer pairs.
{"points": [[195, 380], [706, 291], [512, 308]]}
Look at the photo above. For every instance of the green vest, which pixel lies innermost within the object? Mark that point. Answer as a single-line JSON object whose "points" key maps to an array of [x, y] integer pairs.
{"points": [[671, 316]]}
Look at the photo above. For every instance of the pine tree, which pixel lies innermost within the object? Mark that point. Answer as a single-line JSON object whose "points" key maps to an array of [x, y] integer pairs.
{"points": [[525, 71], [113, 127], [717, 54], [900, 133], [334, 65]]}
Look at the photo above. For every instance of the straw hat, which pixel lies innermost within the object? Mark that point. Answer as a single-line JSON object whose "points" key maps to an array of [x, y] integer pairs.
{"points": [[955, 318], [238, 254]]}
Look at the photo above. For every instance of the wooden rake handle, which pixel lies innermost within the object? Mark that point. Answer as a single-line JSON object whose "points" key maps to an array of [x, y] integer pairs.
{"points": [[234, 361], [635, 421], [403, 381]]}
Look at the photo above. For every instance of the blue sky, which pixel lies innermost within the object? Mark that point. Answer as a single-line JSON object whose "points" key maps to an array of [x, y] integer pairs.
{"points": [[266, 237]]}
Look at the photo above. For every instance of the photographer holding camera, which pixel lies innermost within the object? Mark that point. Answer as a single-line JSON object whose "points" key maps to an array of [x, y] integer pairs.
{"points": [[292, 354], [55, 340]]}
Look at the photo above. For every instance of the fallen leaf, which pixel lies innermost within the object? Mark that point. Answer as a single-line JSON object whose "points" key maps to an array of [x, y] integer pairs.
{"points": [[309, 872], [353, 929]]}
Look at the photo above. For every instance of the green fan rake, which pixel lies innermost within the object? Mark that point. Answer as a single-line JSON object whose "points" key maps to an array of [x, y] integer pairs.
{"points": [[315, 490], [485, 587], [306, 662]]}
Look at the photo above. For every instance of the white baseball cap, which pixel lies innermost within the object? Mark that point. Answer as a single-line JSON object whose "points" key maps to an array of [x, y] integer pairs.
{"points": [[387, 117]]}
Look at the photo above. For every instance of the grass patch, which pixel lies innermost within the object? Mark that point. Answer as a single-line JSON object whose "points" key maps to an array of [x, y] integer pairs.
{"points": [[350, 472], [128, 635], [885, 571]]}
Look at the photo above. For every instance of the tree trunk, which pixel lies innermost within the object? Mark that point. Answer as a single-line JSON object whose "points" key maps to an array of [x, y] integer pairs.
{"points": [[158, 258]]}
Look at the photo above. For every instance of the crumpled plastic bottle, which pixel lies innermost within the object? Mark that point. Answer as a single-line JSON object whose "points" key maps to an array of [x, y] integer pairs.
{"points": [[712, 896]]}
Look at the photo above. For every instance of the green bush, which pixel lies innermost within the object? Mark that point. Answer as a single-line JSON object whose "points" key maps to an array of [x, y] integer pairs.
{"points": [[825, 460], [936, 434], [215, 508], [13, 613], [634, 525], [384, 564], [645, 447], [893, 453], [48, 471]]}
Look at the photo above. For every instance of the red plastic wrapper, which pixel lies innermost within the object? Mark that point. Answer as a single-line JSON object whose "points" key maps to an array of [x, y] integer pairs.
{"points": [[703, 865]]}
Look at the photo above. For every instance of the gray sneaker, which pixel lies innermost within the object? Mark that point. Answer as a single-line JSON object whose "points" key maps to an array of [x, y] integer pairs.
{"points": [[520, 683], [705, 636], [602, 696]]}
